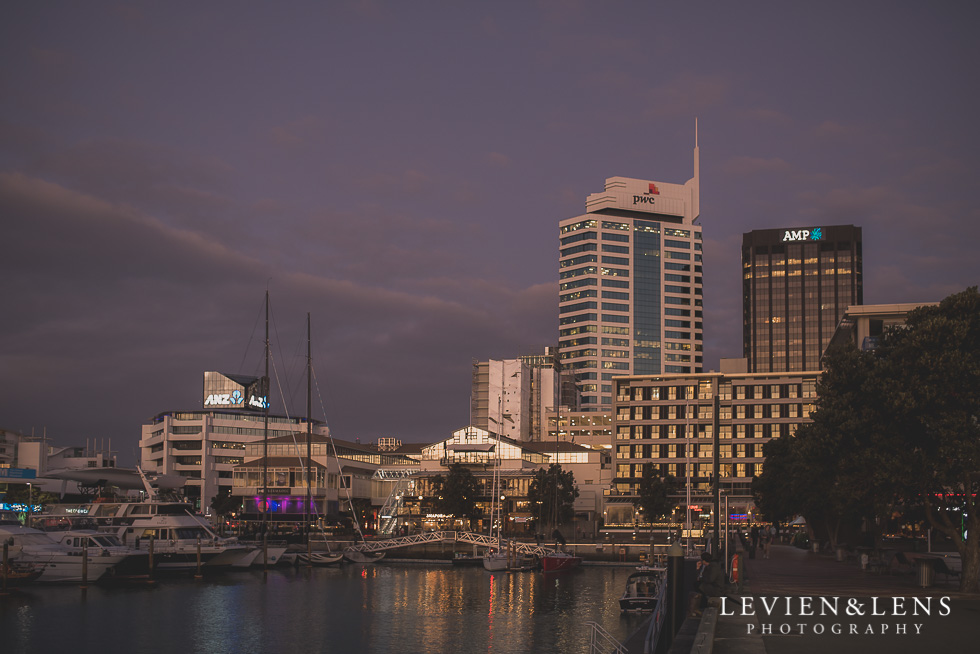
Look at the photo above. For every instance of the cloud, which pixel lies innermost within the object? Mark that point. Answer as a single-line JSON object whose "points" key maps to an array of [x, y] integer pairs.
{"points": [[410, 181], [140, 308], [305, 131], [751, 166], [769, 116], [687, 94], [499, 160]]}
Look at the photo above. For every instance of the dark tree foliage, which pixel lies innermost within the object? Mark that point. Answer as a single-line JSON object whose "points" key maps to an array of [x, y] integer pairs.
{"points": [[554, 492], [456, 493], [895, 428], [824, 471], [931, 372], [224, 503], [20, 493], [655, 491]]}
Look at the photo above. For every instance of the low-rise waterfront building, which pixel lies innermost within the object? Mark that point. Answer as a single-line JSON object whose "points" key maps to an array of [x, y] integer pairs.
{"points": [[502, 468], [699, 428], [272, 482]]}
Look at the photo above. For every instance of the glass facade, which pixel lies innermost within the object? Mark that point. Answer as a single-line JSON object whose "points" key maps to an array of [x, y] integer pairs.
{"points": [[797, 284], [649, 283]]}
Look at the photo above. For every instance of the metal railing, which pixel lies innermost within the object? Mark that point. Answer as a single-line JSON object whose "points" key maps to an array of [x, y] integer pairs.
{"points": [[601, 642], [438, 536], [656, 621]]}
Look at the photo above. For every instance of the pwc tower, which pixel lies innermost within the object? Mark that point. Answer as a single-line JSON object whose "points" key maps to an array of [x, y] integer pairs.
{"points": [[630, 285]]}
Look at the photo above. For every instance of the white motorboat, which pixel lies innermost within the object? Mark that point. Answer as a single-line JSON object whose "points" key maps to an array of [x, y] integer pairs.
{"points": [[643, 589], [276, 555], [134, 564], [179, 538], [496, 561], [61, 563]]}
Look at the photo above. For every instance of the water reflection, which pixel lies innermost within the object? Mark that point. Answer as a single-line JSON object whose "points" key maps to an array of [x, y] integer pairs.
{"points": [[379, 608]]}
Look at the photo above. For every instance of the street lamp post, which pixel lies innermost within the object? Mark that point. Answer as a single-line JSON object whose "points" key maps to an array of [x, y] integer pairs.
{"points": [[30, 504]]}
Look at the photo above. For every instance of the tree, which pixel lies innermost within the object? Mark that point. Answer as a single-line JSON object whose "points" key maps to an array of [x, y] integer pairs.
{"points": [[932, 372], [554, 492], [655, 491], [894, 427], [807, 474], [456, 493], [224, 503], [20, 493]]}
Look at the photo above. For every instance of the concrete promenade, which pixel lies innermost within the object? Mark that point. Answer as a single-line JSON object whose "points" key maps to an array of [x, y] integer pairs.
{"points": [[942, 617]]}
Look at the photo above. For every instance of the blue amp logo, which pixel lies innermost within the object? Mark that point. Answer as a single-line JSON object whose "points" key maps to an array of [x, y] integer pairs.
{"points": [[815, 234]]}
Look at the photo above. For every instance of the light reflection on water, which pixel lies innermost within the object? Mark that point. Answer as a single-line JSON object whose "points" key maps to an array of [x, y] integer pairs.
{"points": [[351, 609]]}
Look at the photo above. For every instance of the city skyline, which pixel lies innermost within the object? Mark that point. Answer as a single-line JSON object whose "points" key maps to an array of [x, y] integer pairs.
{"points": [[400, 172]]}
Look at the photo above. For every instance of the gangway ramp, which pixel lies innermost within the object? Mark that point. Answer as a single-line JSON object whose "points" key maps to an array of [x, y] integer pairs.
{"points": [[468, 537]]}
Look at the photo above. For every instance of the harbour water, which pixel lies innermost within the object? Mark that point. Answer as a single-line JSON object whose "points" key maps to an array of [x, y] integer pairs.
{"points": [[393, 607]]}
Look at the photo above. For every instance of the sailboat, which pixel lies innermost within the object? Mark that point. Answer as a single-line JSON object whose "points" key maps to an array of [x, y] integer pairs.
{"points": [[559, 559], [496, 560], [311, 557]]}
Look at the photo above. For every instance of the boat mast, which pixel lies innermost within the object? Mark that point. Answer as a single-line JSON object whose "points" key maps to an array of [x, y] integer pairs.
{"points": [[265, 445], [309, 430]]}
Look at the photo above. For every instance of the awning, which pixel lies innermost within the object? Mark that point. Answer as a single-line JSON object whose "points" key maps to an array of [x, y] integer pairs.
{"points": [[471, 447]]}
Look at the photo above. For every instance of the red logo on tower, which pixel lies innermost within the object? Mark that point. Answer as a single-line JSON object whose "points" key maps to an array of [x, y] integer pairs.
{"points": [[653, 189]]}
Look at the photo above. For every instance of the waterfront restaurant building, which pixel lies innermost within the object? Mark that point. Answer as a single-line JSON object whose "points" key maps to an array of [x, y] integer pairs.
{"points": [[272, 479], [685, 425], [630, 285], [515, 464]]}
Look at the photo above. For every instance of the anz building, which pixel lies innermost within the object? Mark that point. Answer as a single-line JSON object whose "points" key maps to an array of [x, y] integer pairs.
{"points": [[630, 285], [797, 283], [205, 445]]}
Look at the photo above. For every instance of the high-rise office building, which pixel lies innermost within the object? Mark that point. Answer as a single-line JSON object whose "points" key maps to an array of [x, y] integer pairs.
{"points": [[797, 283], [630, 290]]}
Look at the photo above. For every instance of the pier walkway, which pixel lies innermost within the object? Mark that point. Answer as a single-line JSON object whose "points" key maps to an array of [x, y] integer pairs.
{"points": [[481, 540], [795, 573]]}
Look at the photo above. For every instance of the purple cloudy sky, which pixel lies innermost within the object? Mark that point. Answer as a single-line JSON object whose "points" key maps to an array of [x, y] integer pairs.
{"points": [[398, 169]]}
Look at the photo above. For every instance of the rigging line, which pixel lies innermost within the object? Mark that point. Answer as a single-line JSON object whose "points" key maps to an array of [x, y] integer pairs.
{"points": [[340, 467], [303, 466], [258, 317], [275, 327]]}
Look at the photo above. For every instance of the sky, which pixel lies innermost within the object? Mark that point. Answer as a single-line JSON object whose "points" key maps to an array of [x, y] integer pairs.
{"points": [[398, 169]]}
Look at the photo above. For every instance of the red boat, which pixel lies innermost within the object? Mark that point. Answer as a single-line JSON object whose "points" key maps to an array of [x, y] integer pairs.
{"points": [[559, 561]]}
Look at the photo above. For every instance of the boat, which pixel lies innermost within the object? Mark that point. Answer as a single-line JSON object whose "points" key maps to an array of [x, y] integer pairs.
{"points": [[61, 563], [16, 573], [463, 560], [556, 561], [134, 564], [319, 558], [642, 590], [179, 538], [357, 556], [496, 561]]}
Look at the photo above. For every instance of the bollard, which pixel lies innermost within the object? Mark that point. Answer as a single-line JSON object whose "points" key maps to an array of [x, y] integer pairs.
{"points": [[85, 563], [676, 606], [198, 575]]}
